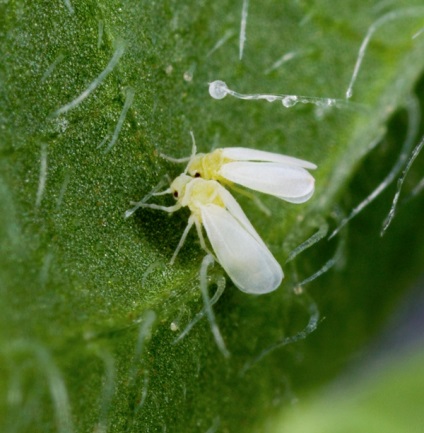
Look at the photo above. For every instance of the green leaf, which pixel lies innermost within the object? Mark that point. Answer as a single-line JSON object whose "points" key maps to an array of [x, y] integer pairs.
{"points": [[91, 94], [389, 397]]}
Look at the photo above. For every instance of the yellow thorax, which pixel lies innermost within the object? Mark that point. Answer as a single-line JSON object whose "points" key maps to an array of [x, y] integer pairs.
{"points": [[208, 165], [196, 192]]}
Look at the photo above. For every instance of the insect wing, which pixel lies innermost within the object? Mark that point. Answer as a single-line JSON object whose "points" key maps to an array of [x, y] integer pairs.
{"points": [[237, 212], [288, 182], [247, 261], [245, 154]]}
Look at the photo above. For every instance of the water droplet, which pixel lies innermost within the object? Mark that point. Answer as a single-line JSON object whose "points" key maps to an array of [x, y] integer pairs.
{"points": [[289, 101], [218, 89]]}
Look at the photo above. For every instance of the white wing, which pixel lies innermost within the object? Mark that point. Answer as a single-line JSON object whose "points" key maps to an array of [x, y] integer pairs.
{"points": [[247, 261], [288, 182], [245, 154], [237, 212]]}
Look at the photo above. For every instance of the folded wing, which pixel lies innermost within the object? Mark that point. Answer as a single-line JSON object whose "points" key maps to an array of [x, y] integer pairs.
{"points": [[241, 253], [288, 182], [245, 154]]}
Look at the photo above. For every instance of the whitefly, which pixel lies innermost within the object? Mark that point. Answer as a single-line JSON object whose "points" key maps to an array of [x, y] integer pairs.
{"points": [[235, 243]]}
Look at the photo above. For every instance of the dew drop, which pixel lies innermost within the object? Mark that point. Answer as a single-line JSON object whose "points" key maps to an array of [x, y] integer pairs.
{"points": [[218, 89], [289, 101], [325, 103]]}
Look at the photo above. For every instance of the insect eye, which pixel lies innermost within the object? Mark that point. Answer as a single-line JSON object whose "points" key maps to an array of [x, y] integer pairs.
{"points": [[197, 174], [175, 194]]}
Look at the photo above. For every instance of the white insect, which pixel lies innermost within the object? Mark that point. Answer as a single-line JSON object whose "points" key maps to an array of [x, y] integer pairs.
{"points": [[271, 173], [236, 244]]}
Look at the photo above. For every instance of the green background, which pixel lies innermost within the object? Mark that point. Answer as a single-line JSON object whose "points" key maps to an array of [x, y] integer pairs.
{"points": [[90, 307]]}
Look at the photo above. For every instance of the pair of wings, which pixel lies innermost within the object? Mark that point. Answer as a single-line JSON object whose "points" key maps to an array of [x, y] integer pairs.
{"points": [[282, 176], [238, 247]]}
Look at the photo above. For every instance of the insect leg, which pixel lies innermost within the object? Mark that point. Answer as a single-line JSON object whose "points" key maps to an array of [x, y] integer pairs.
{"points": [[191, 221], [169, 209], [202, 238], [153, 192]]}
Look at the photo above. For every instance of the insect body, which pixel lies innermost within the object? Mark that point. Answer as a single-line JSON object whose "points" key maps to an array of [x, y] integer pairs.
{"points": [[282, 176], [236, 244]]}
